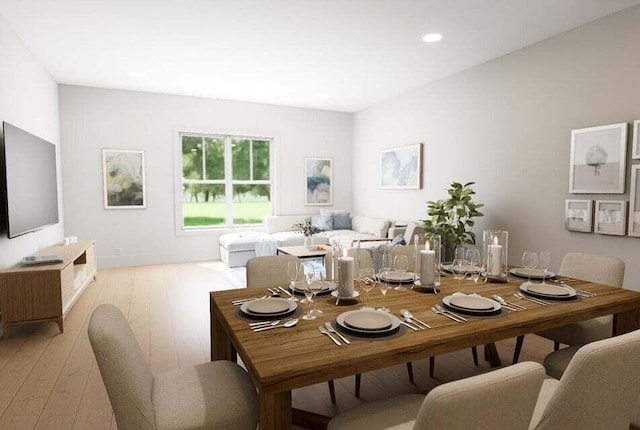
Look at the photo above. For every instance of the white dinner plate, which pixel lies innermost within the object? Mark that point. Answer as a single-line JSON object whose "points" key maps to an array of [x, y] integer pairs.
{"points": [[355, 295], [471, 304], [469, 269], [327, 287], [393, 276], [268, 307], [546, 291], [381, 317], [531, 273]]}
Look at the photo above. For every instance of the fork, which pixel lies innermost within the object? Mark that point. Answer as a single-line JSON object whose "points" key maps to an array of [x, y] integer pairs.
{"points": [[336, 332], [511, 306], [440, 308], [324, 331], [531, 299], [437, 312]]}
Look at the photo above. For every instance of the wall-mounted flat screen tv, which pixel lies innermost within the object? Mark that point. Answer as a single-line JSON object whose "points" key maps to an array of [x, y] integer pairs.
{"points": [[29, 181]]}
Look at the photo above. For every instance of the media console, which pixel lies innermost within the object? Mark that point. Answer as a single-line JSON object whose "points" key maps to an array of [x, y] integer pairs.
{"points": [[30, 294]]}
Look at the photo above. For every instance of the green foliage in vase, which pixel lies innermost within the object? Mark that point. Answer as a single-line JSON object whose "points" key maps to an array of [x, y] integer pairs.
{"points": [[452, 218], [307, 228]]}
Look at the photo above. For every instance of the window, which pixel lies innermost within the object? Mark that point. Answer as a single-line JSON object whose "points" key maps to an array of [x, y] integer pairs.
{"points": [[226, 180]]}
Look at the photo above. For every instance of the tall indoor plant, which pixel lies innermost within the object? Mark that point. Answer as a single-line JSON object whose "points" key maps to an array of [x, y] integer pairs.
{"points": [[452, 218]]}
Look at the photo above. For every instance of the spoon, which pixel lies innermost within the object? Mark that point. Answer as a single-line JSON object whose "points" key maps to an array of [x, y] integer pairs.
{"points": [[407, 314], [288, 324]]}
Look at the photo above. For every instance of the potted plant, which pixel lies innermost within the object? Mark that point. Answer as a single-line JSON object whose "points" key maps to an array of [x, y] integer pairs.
{"points": [[308, 230], [453, 218]]}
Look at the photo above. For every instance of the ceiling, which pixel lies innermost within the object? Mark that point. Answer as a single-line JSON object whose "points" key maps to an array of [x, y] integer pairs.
{"points": [[342, 55]]}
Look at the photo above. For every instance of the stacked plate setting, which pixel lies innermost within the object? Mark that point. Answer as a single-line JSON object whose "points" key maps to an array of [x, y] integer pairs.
{"points": [[368, 322], [268, 308], [327, 287], [472, 305], [395, 277], [548, 292], [531, 273]]}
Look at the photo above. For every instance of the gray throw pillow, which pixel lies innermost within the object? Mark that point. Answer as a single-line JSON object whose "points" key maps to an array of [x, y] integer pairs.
{"points": [[398, 240], [323, 222], [341, 221]]}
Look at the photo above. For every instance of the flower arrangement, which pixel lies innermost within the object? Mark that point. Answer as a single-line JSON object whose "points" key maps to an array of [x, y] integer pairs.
{"points": [[307, 228]]}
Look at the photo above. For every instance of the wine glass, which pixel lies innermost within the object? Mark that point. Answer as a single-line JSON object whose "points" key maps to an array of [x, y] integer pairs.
{"points": [[383, 284], [292, 270], [318, 284], [366, 281], [544, 260], [400, 264], [529, 262], [308, 292], [459, 269], [473, 263]]}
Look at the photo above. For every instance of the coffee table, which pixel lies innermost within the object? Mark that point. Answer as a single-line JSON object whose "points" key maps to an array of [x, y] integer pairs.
{"points": [[305, 254]]}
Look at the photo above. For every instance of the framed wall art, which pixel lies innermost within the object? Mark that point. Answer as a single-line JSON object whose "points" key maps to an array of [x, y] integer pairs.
{"points": [[611, 217], [401, 168], [634, 205], [635, 152], [319, 180], [124, 179], [598, 159], [578, 215]]}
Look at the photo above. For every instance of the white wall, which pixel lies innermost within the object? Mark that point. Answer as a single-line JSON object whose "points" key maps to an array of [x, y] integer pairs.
{"points": [[506, 125], [93, 119], [28, 100]]}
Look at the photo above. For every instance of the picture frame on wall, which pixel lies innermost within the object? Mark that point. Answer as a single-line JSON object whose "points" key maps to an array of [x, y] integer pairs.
{"points": [[635, 152], [611, 217], [634, 204], [579, 215], [123, 173], [319, 181], [598, 159], [401, 168]]}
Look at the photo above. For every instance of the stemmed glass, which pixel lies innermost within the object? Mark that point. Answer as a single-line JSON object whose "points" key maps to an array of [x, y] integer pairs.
{"points": [[400, 264], [309, 277], [459, 269], [530, 262], [544, 260], [383, 284], [292, 269], [317, 286], [473, 262], [366, 281]]}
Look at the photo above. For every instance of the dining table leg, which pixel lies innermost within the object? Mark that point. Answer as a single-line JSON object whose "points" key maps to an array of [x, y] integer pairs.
{"points": [[221, 346], [624, 322], [275, 410]]}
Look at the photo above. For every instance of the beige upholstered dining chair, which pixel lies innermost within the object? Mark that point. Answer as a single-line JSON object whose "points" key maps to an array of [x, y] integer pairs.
{"points": [[598, 390], [413, 228], [587, 267], [269, 271], [218, 394], [503, 399]]}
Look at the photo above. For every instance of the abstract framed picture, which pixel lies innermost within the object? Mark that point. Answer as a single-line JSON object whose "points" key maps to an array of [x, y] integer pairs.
{"points": [[634, 204], [124, 179], [635, 152], [578, 215], [318, 176], [401, 168], [611, 217], [598, 156]]}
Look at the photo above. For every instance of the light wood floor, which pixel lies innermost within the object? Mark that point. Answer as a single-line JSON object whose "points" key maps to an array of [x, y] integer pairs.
{"points": [[51, 381]]}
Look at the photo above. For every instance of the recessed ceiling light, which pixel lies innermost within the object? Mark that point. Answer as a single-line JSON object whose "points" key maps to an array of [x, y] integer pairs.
{"points": [[432, 37], [137, 74]]}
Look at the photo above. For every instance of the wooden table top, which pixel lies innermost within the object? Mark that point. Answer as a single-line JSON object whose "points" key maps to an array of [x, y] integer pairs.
{"points": [[283, 359], [303, 251]]}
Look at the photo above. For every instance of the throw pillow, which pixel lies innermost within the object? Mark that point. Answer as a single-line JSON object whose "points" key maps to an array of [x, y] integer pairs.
{"points": [[323, 222], [398, 240], [341, 221]]}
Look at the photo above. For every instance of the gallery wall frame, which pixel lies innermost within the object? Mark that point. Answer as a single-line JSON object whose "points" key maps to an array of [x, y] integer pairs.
{"points": [[598, 159], [610, 217], [319, 181], [634, 203], [635, 151], [401, 168], [123, 174], [579, 215]]}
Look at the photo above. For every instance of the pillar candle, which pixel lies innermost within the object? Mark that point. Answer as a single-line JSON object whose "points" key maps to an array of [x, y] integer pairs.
{"points": [[345, 283], [427, 267], [495, 260]]}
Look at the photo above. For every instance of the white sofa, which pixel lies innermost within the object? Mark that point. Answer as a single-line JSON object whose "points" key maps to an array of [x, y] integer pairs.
{"points": [[237, 248]]}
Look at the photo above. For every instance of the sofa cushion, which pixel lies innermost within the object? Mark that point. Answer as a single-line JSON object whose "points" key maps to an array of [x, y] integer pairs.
{"points": [[323, 221], [341, 221], [245, 241], [375, 226], [276, 223]]}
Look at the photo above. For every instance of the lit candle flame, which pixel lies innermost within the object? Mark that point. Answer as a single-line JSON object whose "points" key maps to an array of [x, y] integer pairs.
{"points": [[344, 252], [427, 246], [495, 240]]}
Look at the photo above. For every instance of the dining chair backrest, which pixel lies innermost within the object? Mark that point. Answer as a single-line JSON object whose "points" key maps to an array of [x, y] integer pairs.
{"points": [[598, 390], [593, 268], [409, 251], [269, 271], [124, 370], [501, 399], [362, 260]]}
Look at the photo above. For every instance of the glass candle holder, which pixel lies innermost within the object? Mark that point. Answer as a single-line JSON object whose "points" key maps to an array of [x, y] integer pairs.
{"points": [[428, 251], [495, 247]]}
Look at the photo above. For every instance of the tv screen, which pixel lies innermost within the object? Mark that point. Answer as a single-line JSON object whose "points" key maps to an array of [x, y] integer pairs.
{"points": [[28, 164]]}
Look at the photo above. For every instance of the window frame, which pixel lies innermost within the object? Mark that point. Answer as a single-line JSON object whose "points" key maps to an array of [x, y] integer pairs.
{"points": [[228, 181]]}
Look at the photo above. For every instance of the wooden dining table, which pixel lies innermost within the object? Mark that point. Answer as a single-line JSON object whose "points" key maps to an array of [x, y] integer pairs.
{"points": [[283, 359]]}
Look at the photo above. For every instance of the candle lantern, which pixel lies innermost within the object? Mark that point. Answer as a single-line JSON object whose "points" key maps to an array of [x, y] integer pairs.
{"points": [[428, 259], [495, 246]]}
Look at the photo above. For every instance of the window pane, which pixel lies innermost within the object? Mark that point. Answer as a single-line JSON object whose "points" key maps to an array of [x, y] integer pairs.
{"points": [[203, 205], [251, 203], [191, 157], [260, 160], [214, 157], [240, 150]]}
